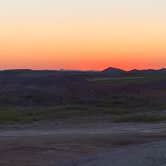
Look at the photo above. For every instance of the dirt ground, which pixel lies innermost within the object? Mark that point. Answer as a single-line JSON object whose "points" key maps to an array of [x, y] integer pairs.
{"points": [[48, 144]]}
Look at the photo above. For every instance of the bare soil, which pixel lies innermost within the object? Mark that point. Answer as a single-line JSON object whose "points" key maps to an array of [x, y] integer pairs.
{"points": [[50, 143]]}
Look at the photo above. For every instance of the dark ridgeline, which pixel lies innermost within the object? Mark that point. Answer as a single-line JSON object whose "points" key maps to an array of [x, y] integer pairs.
{"points": [[118, 72], [30, 87], [27, 87], [114, 71]]}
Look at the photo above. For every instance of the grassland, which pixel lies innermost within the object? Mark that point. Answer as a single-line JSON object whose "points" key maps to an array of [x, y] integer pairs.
{"points": [[123, 99], [30, 114], [27, 115]]}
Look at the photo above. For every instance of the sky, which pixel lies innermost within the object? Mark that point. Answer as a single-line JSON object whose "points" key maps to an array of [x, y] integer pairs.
{"points": [[82, 34]]}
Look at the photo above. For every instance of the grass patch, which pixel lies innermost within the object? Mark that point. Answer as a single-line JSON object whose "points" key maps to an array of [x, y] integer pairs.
{"points": [[27, 115], [131, 80], [140, 118], [31, 114]]}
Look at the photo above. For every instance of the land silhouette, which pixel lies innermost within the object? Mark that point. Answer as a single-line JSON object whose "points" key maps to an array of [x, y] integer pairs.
{"points": [[50, 117], [111, 91], [52, 88]]}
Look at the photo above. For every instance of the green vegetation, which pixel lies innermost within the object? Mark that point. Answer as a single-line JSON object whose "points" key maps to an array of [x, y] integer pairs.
{"points": [[140, 118], [128, 80], [26, 115], [123, 99]]}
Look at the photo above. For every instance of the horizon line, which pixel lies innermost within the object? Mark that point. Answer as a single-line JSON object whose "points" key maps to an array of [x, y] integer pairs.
{"points": [[86, 70]]}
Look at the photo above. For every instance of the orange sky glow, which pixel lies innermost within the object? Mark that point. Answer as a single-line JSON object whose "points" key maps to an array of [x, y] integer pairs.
{"points": [[88, 36]]}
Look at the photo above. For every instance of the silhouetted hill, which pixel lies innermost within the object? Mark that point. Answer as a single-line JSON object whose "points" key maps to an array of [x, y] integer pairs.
{"points": [[49, 87], [148, 72], [119, 72], [27, 87], [114, 71]]}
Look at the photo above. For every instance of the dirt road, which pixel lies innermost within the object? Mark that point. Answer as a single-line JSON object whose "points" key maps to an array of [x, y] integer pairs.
{"points": [[150, 154], [50, 144]]}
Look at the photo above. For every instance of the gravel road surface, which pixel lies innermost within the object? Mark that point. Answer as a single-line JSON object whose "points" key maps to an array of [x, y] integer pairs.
{"points": [[150, 154], [96, 144]]}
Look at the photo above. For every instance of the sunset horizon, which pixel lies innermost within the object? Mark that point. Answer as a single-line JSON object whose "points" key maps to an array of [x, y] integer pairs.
{"points": [[83, 82], [86, 35], [83, 69]]}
